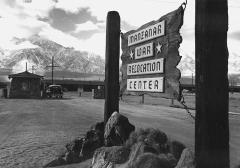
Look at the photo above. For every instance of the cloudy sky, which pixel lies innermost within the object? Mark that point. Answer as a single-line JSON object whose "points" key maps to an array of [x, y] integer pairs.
{"points": [[81, 23]]}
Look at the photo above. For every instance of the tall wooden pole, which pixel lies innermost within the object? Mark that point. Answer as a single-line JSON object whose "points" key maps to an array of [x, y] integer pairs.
{"points": [[112, 64], [52, 69], [212, 125]]}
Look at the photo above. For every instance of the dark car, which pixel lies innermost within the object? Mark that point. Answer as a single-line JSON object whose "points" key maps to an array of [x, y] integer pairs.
{"points": [[54, 91]]}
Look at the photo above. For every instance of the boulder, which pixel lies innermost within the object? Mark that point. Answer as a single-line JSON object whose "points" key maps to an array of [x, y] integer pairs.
{"points": [[72, 157], [150, 160], [57, 162], [170, 158], [93, 140], [117, 130], [82, 148], [186, 160], [140, 148], [176, 148], [72, 151], [107, 157], [153, 138], [75, 145], [99, 127], [150, 147]]}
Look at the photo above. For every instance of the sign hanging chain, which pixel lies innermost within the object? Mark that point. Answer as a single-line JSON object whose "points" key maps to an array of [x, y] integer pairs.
{"points": [[184, 4], [182, 102]]}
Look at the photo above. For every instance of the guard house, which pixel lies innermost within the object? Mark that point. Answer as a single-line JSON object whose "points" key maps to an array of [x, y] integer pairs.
{"points": [[25, 85]]}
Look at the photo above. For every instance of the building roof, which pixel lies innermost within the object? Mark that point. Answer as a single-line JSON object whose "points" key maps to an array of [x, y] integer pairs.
{"points": [[24, 74]]}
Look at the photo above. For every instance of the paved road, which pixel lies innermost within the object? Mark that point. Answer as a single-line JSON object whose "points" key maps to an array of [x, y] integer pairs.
{"points": [[32, 132]]}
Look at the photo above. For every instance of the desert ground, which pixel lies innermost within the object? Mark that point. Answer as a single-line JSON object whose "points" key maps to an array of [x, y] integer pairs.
{"points": [[34, 131]]}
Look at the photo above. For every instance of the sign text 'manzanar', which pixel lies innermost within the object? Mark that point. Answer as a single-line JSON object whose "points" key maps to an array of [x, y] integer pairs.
{"points": [[148, 33], [146, 67], [145, 84]]}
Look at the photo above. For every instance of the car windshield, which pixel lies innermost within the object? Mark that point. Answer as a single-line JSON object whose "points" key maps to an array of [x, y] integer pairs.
{"points": [[55, 88]]}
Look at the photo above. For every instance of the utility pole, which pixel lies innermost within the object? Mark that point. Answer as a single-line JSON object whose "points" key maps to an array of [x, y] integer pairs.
{"points": [[52, 66], [211, 124], [112, 65]]}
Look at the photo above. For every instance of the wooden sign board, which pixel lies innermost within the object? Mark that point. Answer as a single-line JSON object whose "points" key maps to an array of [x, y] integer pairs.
{"points": [[145, 84], [148, 33], [146, 67], [143, 51], [150, 56]]}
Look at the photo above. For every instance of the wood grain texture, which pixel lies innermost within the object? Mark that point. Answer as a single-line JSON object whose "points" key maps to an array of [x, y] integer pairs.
{"points": [[112, 65], [212, 97], [169, 51]]}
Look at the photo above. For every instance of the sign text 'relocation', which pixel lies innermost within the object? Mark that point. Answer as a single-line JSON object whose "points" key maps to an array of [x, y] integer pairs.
{"points": [[146, 67]]}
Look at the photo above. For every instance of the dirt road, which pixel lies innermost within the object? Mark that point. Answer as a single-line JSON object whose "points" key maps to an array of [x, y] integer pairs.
{"points": [[32, 132]]}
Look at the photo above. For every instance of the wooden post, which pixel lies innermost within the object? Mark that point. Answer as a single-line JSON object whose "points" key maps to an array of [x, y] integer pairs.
{"points": [[211, 125], [112, 65], [142, 102], [52, 69], [172, 102]]}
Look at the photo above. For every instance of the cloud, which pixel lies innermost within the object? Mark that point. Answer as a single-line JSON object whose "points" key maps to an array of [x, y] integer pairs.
{"points": [[13, 27], [87, 26], [94, 44], [35, 8], [67, 21], [24, 45], [136, 12], [20, 9], [72, 6], [11, 3], [125, 26], [21, 27], [84, 35], [19, 20], [86, 30], [82, 23]]}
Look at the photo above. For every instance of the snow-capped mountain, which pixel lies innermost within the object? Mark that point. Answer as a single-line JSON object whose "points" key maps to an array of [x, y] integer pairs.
{"points": [[40, 57], [187, 63], [68, 59], [234, 63]]}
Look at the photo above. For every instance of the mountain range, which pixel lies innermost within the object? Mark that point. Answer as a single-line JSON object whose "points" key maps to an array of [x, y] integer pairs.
{"points": [[187, 63], [39, 58]]}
